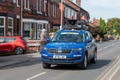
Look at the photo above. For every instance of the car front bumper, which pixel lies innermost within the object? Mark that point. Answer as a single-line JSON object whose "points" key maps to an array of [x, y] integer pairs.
{"points": [[67, 61]]}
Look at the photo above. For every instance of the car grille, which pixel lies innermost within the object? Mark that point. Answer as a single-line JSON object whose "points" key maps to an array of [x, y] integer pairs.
{"points": [[55, 51]]}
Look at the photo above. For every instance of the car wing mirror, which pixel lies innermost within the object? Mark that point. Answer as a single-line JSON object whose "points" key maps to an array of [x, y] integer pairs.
{"points": [[48, 39], [89, 40]]}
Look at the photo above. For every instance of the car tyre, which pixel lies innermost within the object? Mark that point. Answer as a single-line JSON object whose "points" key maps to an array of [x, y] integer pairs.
{"points": [[46, 66], [84, 63], [19, 50], [94, 59]]}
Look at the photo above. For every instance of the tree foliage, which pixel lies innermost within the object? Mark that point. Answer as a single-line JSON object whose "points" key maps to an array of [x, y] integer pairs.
{"points": [[102, 25], [113, 24]]}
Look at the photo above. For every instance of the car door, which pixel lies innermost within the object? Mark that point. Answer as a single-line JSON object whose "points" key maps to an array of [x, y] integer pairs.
{"points": [[1, 44], [89, 44], [8, 44], [92, 44]]}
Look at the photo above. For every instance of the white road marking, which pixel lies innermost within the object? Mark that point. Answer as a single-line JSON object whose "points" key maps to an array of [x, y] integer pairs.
{"points": [[110, 71], [36, 76], [115, 71]]}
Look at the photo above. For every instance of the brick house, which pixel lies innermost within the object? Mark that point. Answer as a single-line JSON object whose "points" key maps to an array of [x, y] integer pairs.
{"points": [[37, 15], [9, 17], [28, 17]]}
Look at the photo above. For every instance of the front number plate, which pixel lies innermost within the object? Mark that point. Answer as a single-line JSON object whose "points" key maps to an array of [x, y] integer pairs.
{"points": [[59, 57]]}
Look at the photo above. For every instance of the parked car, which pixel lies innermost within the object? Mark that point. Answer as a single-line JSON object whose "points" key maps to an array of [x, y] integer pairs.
{"points": [[70, 47], [12, 44]]}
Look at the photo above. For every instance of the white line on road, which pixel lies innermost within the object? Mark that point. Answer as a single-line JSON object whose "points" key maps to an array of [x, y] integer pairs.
{"points": [[116, 70], [36, 76], [110, 71]]}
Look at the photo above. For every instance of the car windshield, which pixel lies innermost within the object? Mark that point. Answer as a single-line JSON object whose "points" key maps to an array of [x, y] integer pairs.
{"points": [[68, 37]]}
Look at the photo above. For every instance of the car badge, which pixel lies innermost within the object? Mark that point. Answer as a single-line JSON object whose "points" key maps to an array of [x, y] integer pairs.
{"points": [[59, 51]]}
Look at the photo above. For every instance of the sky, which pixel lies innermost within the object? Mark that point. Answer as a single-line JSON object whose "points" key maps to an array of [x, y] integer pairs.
{"points": [[105, 9]]}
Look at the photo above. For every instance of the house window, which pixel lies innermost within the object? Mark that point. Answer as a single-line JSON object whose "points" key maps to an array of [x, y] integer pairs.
{"points": [[2, 26], [75, 15], [4, 0], [39, 6], [39, 28], [54, 10], [49, 8], [15, 1], [45, 4], [10, 26], [18, 3], [26, 33], [68, 12], [26, 4]]}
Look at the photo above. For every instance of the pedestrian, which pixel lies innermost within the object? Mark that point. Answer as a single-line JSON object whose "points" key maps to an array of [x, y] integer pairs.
{"points": [[9, 33], [43, 39]]}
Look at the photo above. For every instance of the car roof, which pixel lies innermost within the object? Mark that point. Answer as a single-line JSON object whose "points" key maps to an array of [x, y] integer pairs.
{"points": [[10, 36], [79, 31]]}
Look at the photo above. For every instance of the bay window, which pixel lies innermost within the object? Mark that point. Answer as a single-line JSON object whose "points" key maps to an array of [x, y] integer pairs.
{"points": [[26, 30]]}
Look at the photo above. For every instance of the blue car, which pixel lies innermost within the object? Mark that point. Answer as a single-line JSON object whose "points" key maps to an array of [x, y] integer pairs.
{"points": [[70, 47]]}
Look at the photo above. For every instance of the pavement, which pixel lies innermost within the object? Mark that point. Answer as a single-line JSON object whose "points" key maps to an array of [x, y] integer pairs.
{"points": [[17, 59]]}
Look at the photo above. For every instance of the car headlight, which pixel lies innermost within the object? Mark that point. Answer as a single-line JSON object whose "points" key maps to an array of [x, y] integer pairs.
{"points": [[45, 48]]}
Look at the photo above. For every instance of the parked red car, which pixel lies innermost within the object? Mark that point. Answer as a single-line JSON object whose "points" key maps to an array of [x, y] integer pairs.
{"points": [[14, 44]]}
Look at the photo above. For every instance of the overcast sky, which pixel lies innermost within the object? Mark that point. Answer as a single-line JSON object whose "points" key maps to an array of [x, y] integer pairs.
{"points": [[102, 8]]}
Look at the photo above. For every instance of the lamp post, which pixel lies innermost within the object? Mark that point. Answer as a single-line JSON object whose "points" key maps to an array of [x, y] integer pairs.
{"points": [[21, 18], [61, 15]]}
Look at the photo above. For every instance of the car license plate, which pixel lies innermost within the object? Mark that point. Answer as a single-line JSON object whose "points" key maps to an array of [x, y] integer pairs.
{"points": [[59, 57]]}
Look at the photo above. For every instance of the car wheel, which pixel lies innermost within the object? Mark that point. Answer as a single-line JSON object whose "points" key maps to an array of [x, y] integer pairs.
{"points": [[94, 59], [85, 62], [19, 50], [46, 66]]}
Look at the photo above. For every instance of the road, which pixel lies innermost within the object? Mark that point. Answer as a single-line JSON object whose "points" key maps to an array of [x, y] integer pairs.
{"points": [[106, 67]]}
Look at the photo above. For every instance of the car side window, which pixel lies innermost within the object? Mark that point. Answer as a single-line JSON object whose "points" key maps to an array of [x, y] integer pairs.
{"points": [[87, 36], [9, 39], [90, 35], [1, 40]]}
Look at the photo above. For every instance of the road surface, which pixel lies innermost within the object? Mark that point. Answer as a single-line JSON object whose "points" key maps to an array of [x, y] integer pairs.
{"points": [[106, 68]]}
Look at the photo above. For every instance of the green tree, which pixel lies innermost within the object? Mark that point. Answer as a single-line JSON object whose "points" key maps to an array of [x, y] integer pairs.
{"points": [[113, 24], [103, 26]]}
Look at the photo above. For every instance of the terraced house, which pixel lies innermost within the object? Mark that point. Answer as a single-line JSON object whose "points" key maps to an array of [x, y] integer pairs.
{"points": [[28, 17]]}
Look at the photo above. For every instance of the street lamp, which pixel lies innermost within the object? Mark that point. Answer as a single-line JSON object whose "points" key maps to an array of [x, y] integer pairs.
{"points": [[21, 18], [61, 15]]}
